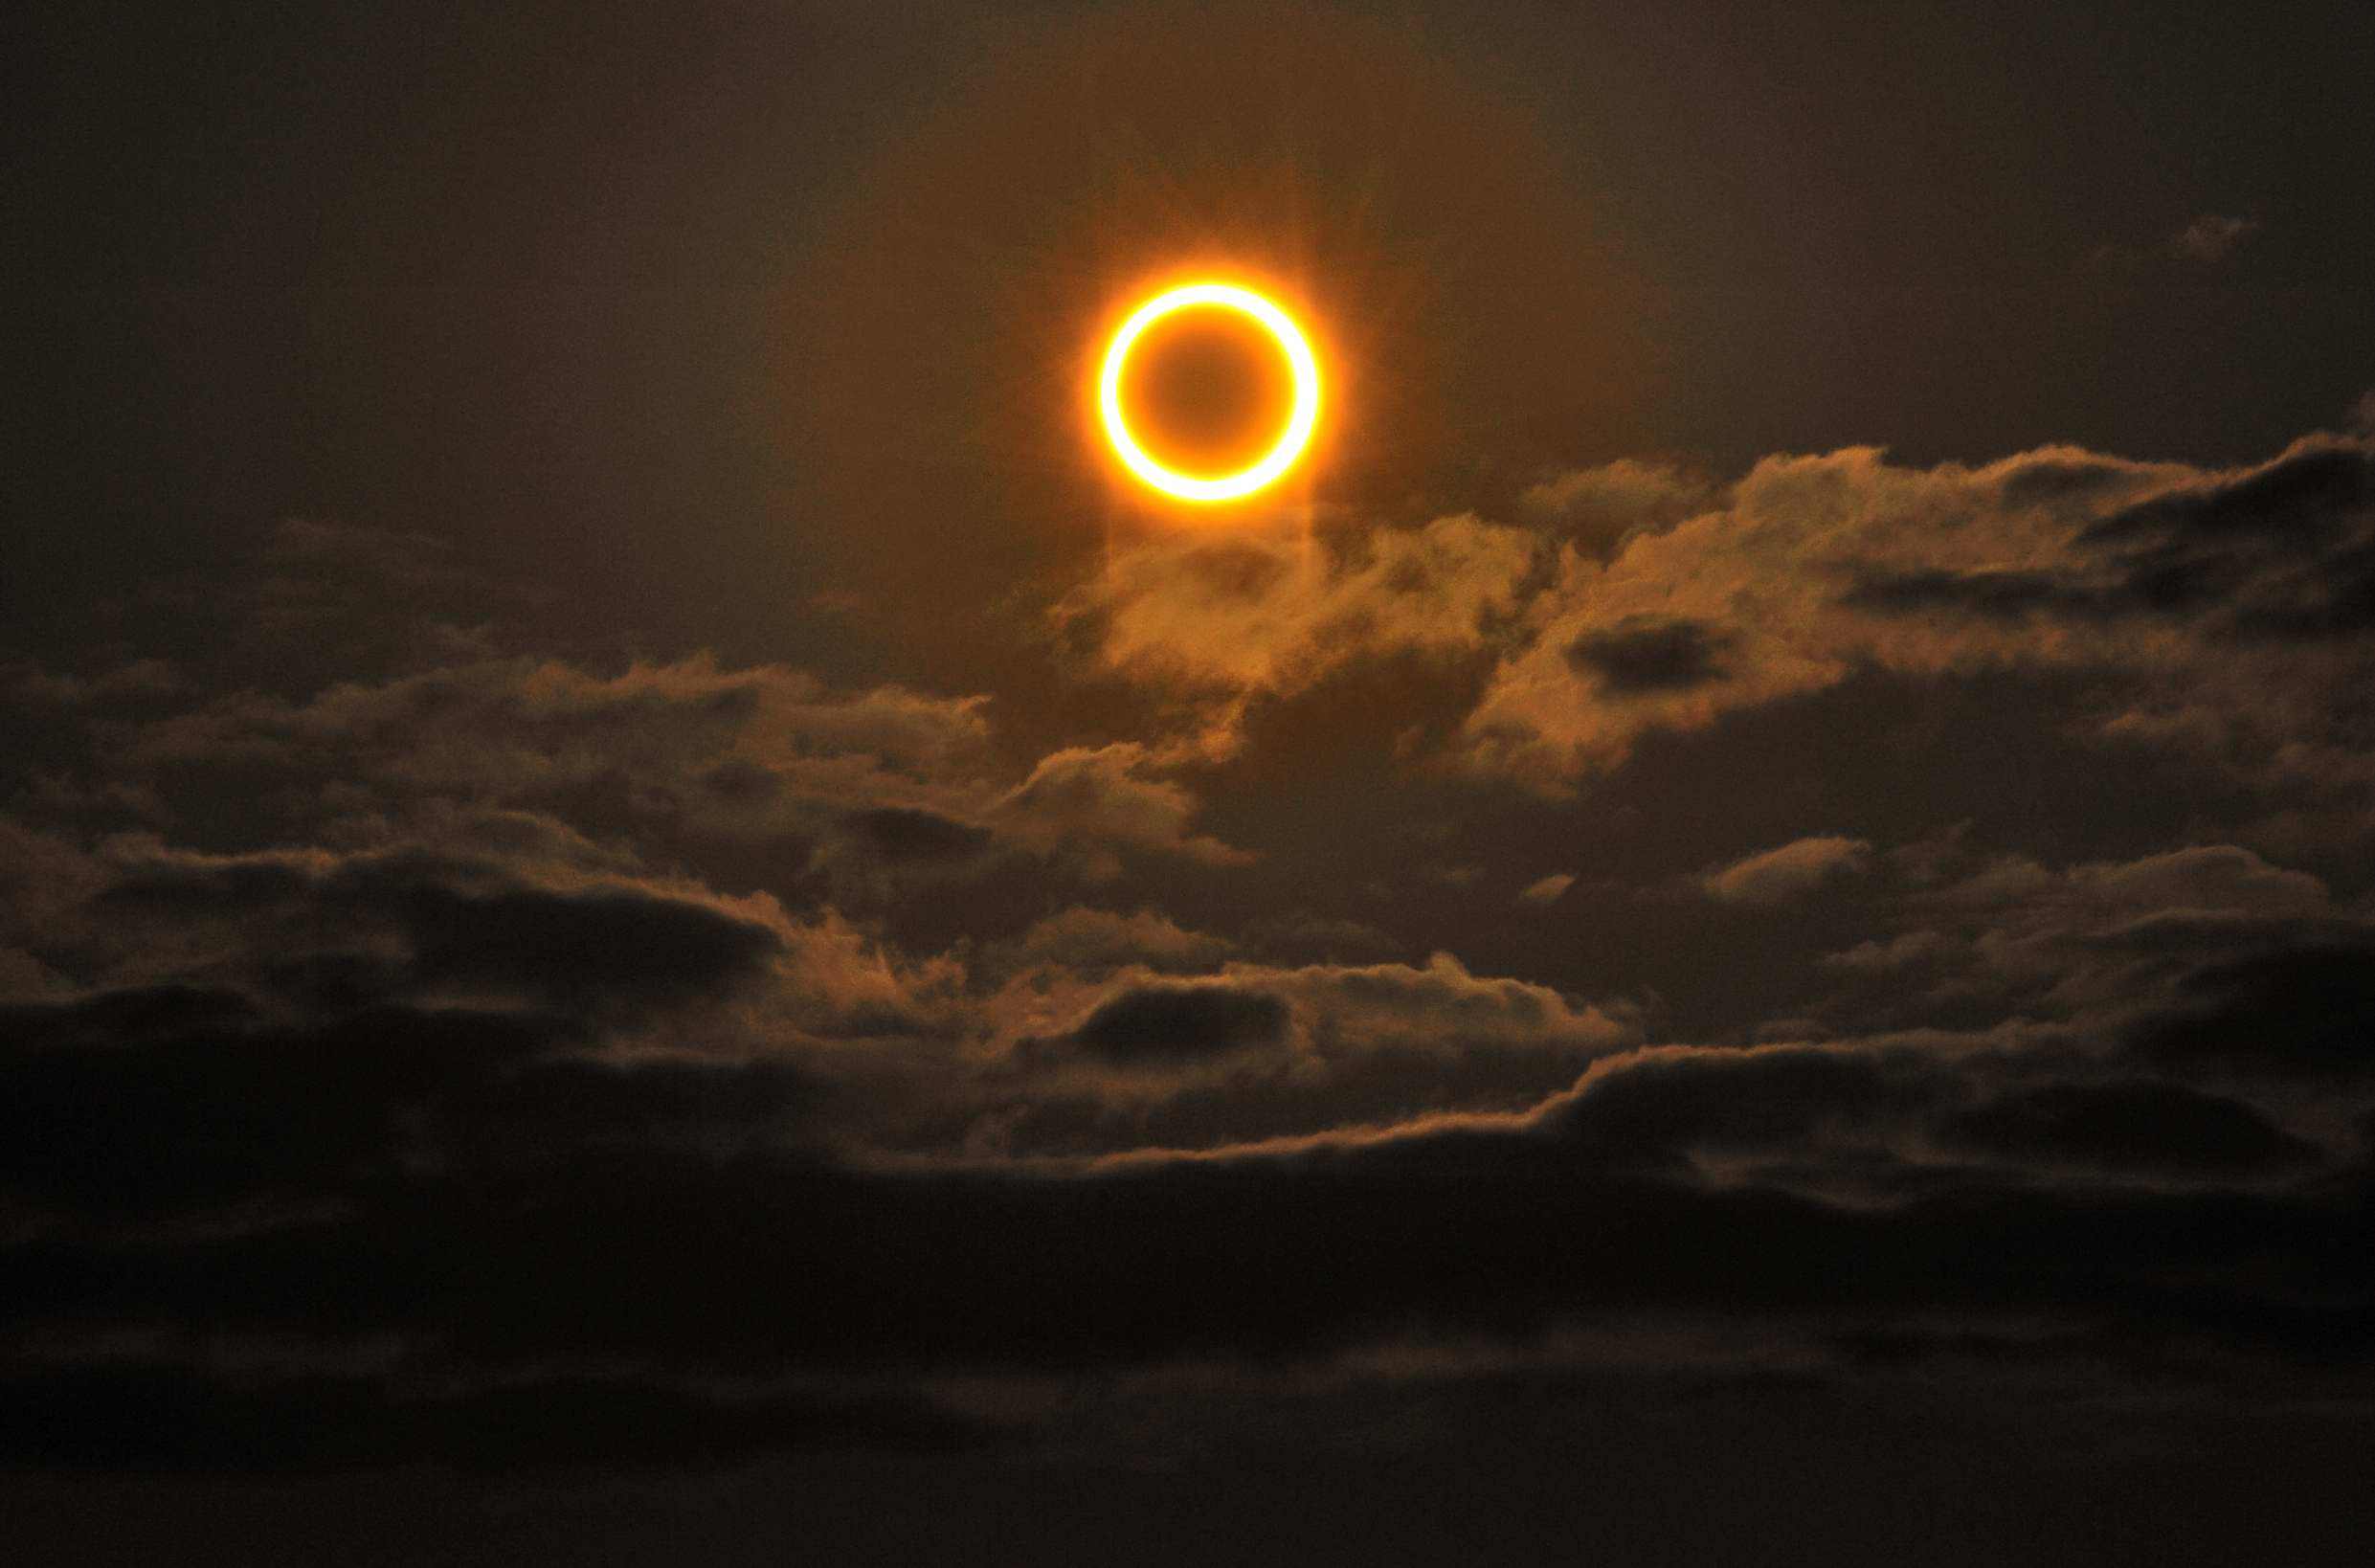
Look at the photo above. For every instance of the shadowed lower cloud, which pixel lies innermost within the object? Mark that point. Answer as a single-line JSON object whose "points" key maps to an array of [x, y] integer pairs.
{"points": [[1649, 654], [1173, 1022]]}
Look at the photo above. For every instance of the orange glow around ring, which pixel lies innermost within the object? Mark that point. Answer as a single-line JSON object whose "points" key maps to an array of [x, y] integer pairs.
{"points": [[1301, 420]]}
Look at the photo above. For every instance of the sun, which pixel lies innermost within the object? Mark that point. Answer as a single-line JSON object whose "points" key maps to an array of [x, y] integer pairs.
{"points": [[1302, 414]]}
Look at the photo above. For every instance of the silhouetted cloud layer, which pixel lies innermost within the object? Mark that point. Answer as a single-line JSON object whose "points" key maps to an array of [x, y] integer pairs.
{"points": [[714, 1060]]}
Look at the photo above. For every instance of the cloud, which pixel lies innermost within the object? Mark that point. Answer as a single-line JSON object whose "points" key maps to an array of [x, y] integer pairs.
{"points": [[401, 1032], [510, 915], [2301, 1009], [1174, 1021], [1548, 889], [2185, 594], [1600, 509], [141, 680], [1273, 614], [2209, 239], [1661, 1108], [520, 727], [2142, 1126], [1218, 623], [156, 1417], [1649, 655], [2201, 879], [543, 943], [1786, 871], [1102, 797], [453, 925], [1440, 1007], [871, 786], [1300, 934], [2105, 950], [2109, 929], [2186, 584], [523, 923], [1902, 951], [309, 1145], [1463, 1227], [1085, 940], [1249, 1050], [2212, 237], [910, 835]]}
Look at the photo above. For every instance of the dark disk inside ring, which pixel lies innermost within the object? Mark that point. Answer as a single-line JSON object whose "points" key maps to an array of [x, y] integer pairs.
{"points": [[1206, 391]]}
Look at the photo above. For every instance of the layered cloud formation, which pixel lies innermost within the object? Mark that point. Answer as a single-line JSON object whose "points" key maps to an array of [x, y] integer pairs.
{"points": [[403, 1027], [1651, 602]]}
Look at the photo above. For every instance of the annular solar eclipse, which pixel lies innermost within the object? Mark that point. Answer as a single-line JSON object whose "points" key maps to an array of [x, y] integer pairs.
{"points": [[1302, 414]]}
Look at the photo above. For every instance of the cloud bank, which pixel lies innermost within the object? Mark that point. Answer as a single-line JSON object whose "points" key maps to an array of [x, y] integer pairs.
{"points": [[744, 1063]]}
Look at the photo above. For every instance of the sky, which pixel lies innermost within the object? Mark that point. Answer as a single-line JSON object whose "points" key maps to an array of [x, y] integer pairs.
{"points": [[649, 915]]}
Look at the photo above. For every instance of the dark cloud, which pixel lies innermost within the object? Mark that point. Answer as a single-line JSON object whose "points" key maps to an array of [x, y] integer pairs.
{"points": [[439, 1225], [2139, 1125], [902, 834], [2297, 1011], [218, 1109], [1662, 1107], [1463, 1226], [2307, 492], [163, 1419], [462, 922], [131, 1017], [1175, 1022], [569, 944], [2001, 595], [1645, 654]]}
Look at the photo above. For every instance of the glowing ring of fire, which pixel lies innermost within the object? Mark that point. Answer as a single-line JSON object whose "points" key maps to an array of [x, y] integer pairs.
{"points": [[1300, 418]]}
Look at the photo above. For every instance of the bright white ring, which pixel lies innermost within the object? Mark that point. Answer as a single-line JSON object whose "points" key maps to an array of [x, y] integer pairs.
{"points": [[1300, 418]]}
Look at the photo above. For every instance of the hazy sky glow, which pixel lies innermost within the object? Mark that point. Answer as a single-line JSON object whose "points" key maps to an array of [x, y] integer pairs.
{"points": [[649, 911]]}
